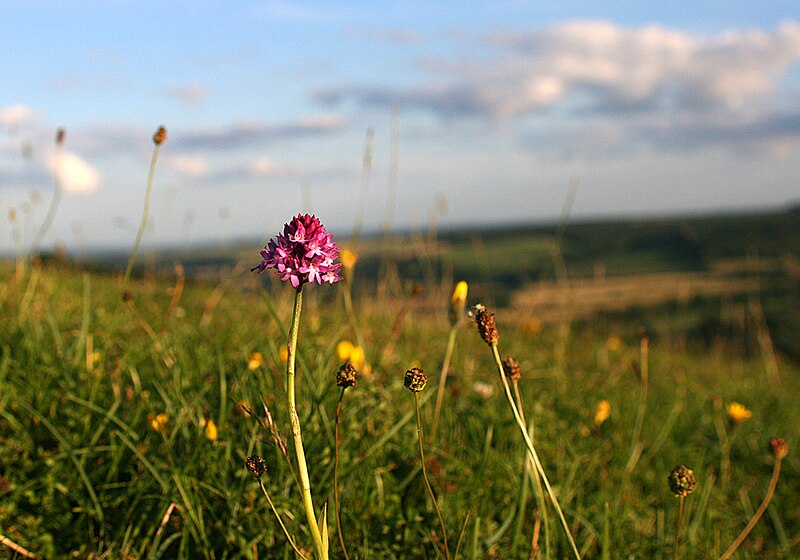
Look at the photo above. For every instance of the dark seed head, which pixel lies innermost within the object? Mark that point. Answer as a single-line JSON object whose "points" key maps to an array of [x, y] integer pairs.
{"points": [[682, 481], [256, 465], [512, 369], [346, 376], [415, 380]]}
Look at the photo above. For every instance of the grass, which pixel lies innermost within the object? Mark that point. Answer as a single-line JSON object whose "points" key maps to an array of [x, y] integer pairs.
{"points": [[83, 472]]}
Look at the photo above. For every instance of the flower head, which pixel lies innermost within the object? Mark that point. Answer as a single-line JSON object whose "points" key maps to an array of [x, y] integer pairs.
{"points": [[512, 369], [256, 465], [158, 423], [682, 481], [415, 380], [346, 376], [458, 301], [348, 352], [303, 253], [778, 447], [255, 361], [738, 413], [210, 429], [487, 327], [160, 136], [602, 412]]}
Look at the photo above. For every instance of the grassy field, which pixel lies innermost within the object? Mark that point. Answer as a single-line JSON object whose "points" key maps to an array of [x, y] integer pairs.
{"points": [[106, 405]]}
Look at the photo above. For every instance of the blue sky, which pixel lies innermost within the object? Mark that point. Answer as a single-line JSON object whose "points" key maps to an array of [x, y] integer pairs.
{"points": [[500, 106]]}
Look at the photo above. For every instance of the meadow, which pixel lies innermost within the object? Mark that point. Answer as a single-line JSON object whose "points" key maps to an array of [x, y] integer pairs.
{"points": [[128, 412]]}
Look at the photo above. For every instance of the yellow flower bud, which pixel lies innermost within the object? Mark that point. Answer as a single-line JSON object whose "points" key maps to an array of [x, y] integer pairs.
{"points": [[738, 413], [255, 361], [602, 413], [458, 302], [211, 432]]}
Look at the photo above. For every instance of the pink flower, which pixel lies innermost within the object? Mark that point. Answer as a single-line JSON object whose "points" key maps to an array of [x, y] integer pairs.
{"points": [[304, 252]]}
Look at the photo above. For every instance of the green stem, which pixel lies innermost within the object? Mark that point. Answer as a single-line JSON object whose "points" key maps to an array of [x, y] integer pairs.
{"points": [[761, 509], [425, 478], [536, 480], [678, 528], [297, 437], [532, 451], [336, 477], [636, 445], [451, 342], [280, 521], [51, 211], [143, 223]]}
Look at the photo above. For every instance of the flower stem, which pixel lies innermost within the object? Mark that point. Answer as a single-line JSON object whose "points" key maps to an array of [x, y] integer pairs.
{"points": [[336, 476], [678, 528], [533, 475], [143, 223], [425, 478], [51, 211], [280, 521], [761, 509], [319, 548], [451, 342], [532, 451]]}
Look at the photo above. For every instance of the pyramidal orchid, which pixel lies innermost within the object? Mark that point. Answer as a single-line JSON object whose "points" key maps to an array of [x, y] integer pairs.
{"points": [[303, 254]]}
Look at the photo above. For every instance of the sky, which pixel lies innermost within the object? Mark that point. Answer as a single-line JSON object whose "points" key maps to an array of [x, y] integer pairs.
{"points": [[398, 113]]}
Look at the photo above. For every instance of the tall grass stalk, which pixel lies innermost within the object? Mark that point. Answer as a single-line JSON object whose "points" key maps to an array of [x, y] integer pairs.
{"points": [[158, 139], [336, 504], [529, 470], [451, 342], [425, 477], [57, 190], [280, 521], [773, 483], [532, 451], [636, 444]]}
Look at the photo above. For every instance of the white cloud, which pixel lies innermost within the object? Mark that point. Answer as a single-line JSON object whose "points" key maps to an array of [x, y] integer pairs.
{"points": [[191, 165], [262, 166], [77, 176], [190, 94], [15, 115], [602, 67]]}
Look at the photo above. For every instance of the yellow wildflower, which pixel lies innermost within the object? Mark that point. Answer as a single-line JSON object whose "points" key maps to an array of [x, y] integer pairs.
{"points": [[534, 325], [348, 352], [614, 343], [256, 361], [738, 413], [158, 423], [602, 413], [348, 259], [283, 354], [211, 432], [458, 302]]}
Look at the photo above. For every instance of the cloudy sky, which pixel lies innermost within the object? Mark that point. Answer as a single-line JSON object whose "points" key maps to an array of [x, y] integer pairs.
{"points": [[479, 112]]}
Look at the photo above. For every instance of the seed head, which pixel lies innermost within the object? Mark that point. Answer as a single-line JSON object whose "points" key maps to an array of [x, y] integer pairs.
{"points": [[682, 481], [415, 380], [160, 136], [778, 447], [256, 465], [511, 369], [60, 135], [127, 296], [486, 325], [346, 376]]}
